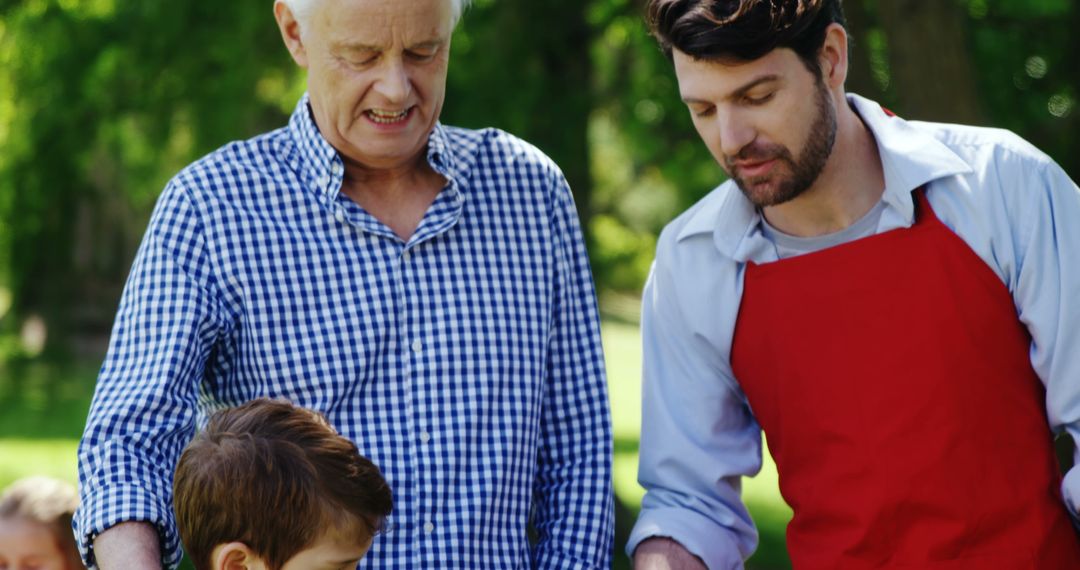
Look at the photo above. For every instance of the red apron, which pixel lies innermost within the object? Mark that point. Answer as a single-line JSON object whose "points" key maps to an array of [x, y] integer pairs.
{"points": [[891, 376]]}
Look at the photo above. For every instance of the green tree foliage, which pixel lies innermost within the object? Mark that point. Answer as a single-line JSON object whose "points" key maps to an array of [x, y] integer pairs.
{"points": [[586, 83], [1026, 52], [102, 101], [519, 65], [1001, 63], [648, 163]]}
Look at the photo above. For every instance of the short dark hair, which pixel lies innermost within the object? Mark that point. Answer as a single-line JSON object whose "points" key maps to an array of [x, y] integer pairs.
{"points": [[743, 30], [274, 477]]}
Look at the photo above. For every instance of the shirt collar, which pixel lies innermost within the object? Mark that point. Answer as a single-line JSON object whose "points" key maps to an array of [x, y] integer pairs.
{"points": [[315, 158], [910, 157], [320, 164]]}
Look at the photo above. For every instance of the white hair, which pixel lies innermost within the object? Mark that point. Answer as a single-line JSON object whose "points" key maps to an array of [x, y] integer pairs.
{"points": [[302, 9]]}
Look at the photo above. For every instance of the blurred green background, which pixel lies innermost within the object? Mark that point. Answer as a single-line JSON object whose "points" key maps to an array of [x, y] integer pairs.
{"points": [[102, 101]]}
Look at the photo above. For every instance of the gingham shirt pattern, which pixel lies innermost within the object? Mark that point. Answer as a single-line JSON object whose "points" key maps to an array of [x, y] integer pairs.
{"points": [[466, 362]]}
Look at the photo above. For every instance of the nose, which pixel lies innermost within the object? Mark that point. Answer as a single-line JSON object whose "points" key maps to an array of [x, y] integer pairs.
{"points": [[393, 83], [735, 133]]}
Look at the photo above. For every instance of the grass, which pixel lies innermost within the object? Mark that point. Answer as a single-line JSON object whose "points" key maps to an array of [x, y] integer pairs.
{"points": [[42, 412], [50, 457], [43, 409], [45, 401], [622, 342]]}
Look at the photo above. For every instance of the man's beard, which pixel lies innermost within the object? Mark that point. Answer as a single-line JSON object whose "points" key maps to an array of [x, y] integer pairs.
{"points": [[804, 171]]}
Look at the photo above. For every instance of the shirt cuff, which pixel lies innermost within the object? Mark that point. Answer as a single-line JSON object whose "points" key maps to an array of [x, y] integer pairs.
{"points": [[716, 545], [105, 509], [1070, 491], [548, 559]]}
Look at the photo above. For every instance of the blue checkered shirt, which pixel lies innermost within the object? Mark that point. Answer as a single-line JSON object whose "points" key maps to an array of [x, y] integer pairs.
{"points": [[466, 362]]}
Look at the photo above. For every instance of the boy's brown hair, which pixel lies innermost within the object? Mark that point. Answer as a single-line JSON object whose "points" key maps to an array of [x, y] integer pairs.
{"points": [[48, 502], [274, 477]]}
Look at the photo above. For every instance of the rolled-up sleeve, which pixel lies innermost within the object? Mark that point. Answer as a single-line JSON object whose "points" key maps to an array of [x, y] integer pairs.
{"points": [[143, 410], [698, 437], [1047, 295]]}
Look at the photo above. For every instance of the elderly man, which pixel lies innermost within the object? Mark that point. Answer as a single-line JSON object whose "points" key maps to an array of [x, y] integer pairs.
{"points": [[894, 303], [424, 287]]}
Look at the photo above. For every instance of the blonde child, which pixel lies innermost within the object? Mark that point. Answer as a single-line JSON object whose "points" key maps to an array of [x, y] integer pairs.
{"points": [[35, 525]]}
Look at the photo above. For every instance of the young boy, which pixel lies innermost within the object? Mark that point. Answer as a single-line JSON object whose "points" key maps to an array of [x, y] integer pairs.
{"points": [[35, 525], [271, 486]]}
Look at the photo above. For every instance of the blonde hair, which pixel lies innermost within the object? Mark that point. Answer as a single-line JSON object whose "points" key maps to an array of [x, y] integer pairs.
{"points": [[46, 501]]}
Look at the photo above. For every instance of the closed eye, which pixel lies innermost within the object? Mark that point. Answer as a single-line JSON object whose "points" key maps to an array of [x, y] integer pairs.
{"points": [[703, 111], [761, 100], [422, 54], [360, 61]]}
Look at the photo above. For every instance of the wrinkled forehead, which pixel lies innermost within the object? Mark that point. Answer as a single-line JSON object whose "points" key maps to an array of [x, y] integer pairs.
{"points": [[383, 23]]}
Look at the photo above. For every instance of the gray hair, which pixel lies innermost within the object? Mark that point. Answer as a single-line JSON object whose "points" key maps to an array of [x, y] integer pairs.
{"points": [[302, 9]]}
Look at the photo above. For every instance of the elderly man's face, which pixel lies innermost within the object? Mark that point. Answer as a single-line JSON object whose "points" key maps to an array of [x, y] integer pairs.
{"points": [[376, 75]]}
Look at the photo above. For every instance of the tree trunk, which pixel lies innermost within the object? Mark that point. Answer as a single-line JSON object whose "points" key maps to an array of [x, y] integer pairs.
{"points": [[932, 73], [860, 73]]}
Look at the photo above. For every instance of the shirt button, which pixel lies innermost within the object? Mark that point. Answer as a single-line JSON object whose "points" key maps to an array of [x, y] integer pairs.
{"points": [[429, 527], [416, 346], [425, 437], [335, 168], [405, 255]]}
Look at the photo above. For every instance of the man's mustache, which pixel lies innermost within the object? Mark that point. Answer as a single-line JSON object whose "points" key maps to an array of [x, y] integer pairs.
{"points": [[755, 153]]}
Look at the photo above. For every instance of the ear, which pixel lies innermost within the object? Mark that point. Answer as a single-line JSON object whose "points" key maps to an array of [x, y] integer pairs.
{"points": [[834, 56], [235, 556], [290, 32]]}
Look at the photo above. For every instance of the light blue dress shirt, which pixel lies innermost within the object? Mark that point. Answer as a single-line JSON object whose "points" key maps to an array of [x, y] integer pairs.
{"points": [[1008, 201]]}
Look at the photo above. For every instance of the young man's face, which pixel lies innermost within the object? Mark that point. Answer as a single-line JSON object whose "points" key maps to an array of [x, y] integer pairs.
{"points": [[770, 123], [27, 544]]}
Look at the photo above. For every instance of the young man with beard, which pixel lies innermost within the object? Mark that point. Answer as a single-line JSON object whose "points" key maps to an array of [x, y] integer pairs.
{"points": [[894, 303]]}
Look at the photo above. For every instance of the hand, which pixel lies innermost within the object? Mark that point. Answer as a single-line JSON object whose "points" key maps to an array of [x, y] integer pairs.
{"points": [[665, 554], [128, 545]]}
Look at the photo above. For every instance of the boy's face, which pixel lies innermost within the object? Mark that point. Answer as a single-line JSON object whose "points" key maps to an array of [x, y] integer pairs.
{"points": [[331, 552], [27, 544]]}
